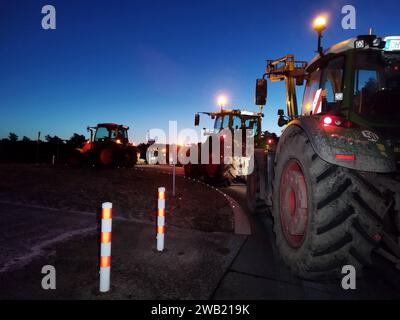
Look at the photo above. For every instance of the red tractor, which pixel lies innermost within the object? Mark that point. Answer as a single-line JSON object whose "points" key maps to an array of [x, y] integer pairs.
{"points": [[108, 146]]}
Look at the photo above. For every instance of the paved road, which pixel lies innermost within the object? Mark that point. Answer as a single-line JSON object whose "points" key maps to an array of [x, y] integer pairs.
{"points": [[253, 269], [32, 236], [258, 272]]}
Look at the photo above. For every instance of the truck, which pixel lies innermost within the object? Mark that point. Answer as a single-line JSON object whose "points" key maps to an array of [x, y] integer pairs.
{"points": [[332, 184]]}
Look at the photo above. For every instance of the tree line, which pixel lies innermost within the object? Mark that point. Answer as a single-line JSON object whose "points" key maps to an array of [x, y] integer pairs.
{"points": [[26, 150], [14, 149]]}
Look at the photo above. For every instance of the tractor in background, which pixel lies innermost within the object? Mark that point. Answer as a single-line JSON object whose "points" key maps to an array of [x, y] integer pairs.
{"points": [[333, 182], [223, 174], [108, 146]]}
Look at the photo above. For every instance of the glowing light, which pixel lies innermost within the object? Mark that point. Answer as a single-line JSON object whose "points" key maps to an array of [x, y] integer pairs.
{"points": [[222, 100], [118, 141], [320, 23], [350, 157], [327, 121]]}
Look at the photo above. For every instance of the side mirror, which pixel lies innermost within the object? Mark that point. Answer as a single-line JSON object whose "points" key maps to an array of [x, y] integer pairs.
{"points": [[281, 118], [196, 119], [261, 92], [299, 81]]}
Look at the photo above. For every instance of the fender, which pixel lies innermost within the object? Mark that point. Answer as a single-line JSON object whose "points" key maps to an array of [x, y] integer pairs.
{"points": [[371, 152]]}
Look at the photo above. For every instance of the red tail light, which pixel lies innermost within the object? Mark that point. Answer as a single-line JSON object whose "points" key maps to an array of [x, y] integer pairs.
{"points": [[329, 120]]}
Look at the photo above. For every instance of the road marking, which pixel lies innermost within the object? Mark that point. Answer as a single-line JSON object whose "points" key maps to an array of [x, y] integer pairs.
{"points": [[38, 249]]}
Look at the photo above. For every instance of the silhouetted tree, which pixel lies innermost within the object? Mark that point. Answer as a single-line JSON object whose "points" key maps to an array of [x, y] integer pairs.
{"points": [[76, 140], [25, 139], [54, 139], [12, 137]]}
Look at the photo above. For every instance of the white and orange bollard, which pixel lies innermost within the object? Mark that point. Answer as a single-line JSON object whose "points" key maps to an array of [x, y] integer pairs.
{"points": [[161, 219], [105, 248]]}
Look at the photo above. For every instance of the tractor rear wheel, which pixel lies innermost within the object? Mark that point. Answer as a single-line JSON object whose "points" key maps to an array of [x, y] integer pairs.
{"points": [[129, 158], [108, 157], [193, 171], [221, 175], [254, 202], [324, 215]]}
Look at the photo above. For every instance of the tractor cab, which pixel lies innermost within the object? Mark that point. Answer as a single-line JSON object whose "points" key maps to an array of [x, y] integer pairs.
{"points": [[358, 79], [234, 119], [106, 132]]}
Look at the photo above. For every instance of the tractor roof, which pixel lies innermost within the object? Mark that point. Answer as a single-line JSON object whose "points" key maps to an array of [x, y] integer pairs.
{"points": [[235, 112], [112, 125], [360, 42]]}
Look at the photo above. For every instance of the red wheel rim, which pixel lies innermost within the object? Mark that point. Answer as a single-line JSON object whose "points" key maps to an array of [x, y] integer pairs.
{"points": [[293, 204]]}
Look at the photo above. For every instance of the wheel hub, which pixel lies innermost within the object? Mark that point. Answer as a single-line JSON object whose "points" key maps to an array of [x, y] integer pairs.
{"points": [[293, 206]]}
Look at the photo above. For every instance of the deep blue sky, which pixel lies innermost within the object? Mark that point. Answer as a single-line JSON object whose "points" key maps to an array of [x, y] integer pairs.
{"points": [[143, 63]]}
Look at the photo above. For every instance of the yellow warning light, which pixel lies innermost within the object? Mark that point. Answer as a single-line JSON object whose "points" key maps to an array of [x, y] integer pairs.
{"points": [[320, 23]]}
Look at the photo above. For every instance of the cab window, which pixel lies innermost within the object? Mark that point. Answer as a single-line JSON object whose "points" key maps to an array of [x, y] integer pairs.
{"points": [[236, 122], [101, 134], [225, 123], [251, 123], [332, 84], [309, 92], [217, 124]]}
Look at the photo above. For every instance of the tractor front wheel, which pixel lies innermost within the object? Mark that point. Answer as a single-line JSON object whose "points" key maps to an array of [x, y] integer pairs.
{"points": [[319, 210]]}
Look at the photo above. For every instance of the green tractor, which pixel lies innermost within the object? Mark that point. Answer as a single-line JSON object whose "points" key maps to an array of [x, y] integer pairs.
{"points": [[108, 147], [226, 120], [333, 182]]}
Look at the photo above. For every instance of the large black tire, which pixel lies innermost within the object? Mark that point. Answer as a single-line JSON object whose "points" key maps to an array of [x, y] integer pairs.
{"points": [[129, 158], [222, 177], [255, 203], [193, 171], [342, 226]]}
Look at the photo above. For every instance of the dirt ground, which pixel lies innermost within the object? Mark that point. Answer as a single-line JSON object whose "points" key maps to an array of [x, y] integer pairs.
{"points": [[132, 192]]}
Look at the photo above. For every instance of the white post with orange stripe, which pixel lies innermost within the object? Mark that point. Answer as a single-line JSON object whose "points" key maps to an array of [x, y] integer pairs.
{"points": [[161, 219], [105, 248]]}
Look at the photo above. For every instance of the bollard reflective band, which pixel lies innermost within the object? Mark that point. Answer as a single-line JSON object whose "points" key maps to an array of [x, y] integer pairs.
{"points": [[105, 262], [161, 212], [160, 229], [105, 237], [106, 213]]}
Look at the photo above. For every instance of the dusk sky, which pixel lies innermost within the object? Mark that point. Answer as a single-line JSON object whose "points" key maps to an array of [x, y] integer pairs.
{"points": [[143, 63]]}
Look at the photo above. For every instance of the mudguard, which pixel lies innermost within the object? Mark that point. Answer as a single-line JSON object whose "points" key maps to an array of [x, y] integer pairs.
{"points": [[354, 148]]}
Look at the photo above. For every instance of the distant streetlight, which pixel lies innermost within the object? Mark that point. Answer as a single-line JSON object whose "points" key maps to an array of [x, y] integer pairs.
{"points": [[222, 100]]}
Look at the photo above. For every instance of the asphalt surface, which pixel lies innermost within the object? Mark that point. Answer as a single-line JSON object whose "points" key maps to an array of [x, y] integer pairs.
{"points": [[190, 267], [196, 265]]}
